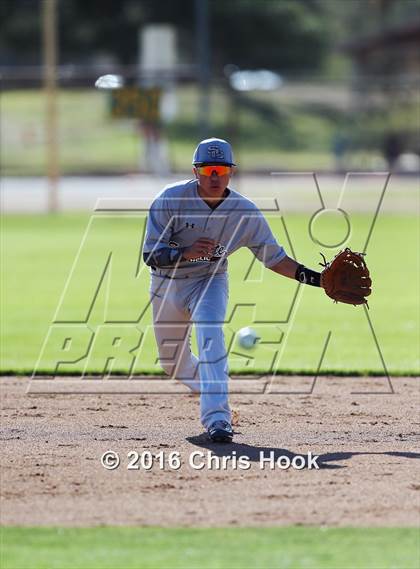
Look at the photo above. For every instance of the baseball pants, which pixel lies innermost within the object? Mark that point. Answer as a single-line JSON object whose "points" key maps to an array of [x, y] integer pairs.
{"points": [[179, 304]]}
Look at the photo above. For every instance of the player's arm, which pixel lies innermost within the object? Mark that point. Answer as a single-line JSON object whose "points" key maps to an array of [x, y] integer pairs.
{"points": [[288, 267], [156, 249], [170, 256], [162, 257], [203, 247], [345, 279], [264, 245]]}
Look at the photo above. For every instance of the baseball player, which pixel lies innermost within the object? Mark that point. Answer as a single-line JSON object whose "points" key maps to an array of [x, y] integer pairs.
{"points": [[193, 226]]}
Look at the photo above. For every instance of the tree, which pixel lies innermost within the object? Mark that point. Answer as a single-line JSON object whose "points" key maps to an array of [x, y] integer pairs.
{"points": [[287, 35]]}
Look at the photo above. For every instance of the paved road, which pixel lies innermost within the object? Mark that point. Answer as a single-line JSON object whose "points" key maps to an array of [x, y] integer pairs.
{"points": [[293, 192]]}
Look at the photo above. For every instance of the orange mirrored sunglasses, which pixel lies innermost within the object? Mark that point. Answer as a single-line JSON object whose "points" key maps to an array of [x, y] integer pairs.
{"points": [[208, 170]]}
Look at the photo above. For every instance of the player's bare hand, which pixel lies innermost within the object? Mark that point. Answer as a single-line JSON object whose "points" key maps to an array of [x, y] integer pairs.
{"points": [[203, 247]]}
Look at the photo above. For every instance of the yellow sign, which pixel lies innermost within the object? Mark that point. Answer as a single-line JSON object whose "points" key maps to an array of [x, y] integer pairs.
{"points": [[133, 102]]}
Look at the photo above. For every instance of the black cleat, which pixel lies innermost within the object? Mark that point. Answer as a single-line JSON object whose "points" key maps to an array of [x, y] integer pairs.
{"points": [[220, 432]]}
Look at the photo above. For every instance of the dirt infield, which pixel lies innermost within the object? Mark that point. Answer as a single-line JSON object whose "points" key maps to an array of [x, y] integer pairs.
{"points": [[52, 445]]}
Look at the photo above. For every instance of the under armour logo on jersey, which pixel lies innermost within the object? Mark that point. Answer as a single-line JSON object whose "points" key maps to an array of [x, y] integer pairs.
{"points": [[215, 152], [189, 225]]}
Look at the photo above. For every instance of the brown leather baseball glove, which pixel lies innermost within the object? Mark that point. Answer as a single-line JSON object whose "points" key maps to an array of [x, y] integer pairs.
{"points": [[346, 278]]}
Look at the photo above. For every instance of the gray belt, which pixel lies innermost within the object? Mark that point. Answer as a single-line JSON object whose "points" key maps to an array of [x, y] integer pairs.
{"points": [[162, 275]]}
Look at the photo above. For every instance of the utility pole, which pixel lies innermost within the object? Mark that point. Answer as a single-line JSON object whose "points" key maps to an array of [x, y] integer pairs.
{"points": [[203, 62], [49, 19]]}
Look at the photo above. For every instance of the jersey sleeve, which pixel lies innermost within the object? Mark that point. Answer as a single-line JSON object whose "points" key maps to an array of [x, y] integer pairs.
{"points": [[158, 228], [262, 242]]}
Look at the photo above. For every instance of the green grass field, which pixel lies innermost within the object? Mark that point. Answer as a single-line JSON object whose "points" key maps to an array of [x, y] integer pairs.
{"points": [[269, 131], [177, 548], [39, 252]]}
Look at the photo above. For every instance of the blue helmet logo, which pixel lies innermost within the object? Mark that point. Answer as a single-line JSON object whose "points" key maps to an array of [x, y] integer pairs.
{"points": [[215, 152]]}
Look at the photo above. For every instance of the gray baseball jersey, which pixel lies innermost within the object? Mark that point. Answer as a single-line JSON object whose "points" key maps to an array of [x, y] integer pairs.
{"points": [[179, 216]]}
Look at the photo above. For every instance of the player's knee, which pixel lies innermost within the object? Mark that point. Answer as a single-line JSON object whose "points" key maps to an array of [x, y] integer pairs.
{"points": [[184, 369], [170, 354], [210, 333], [211, 341]]}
